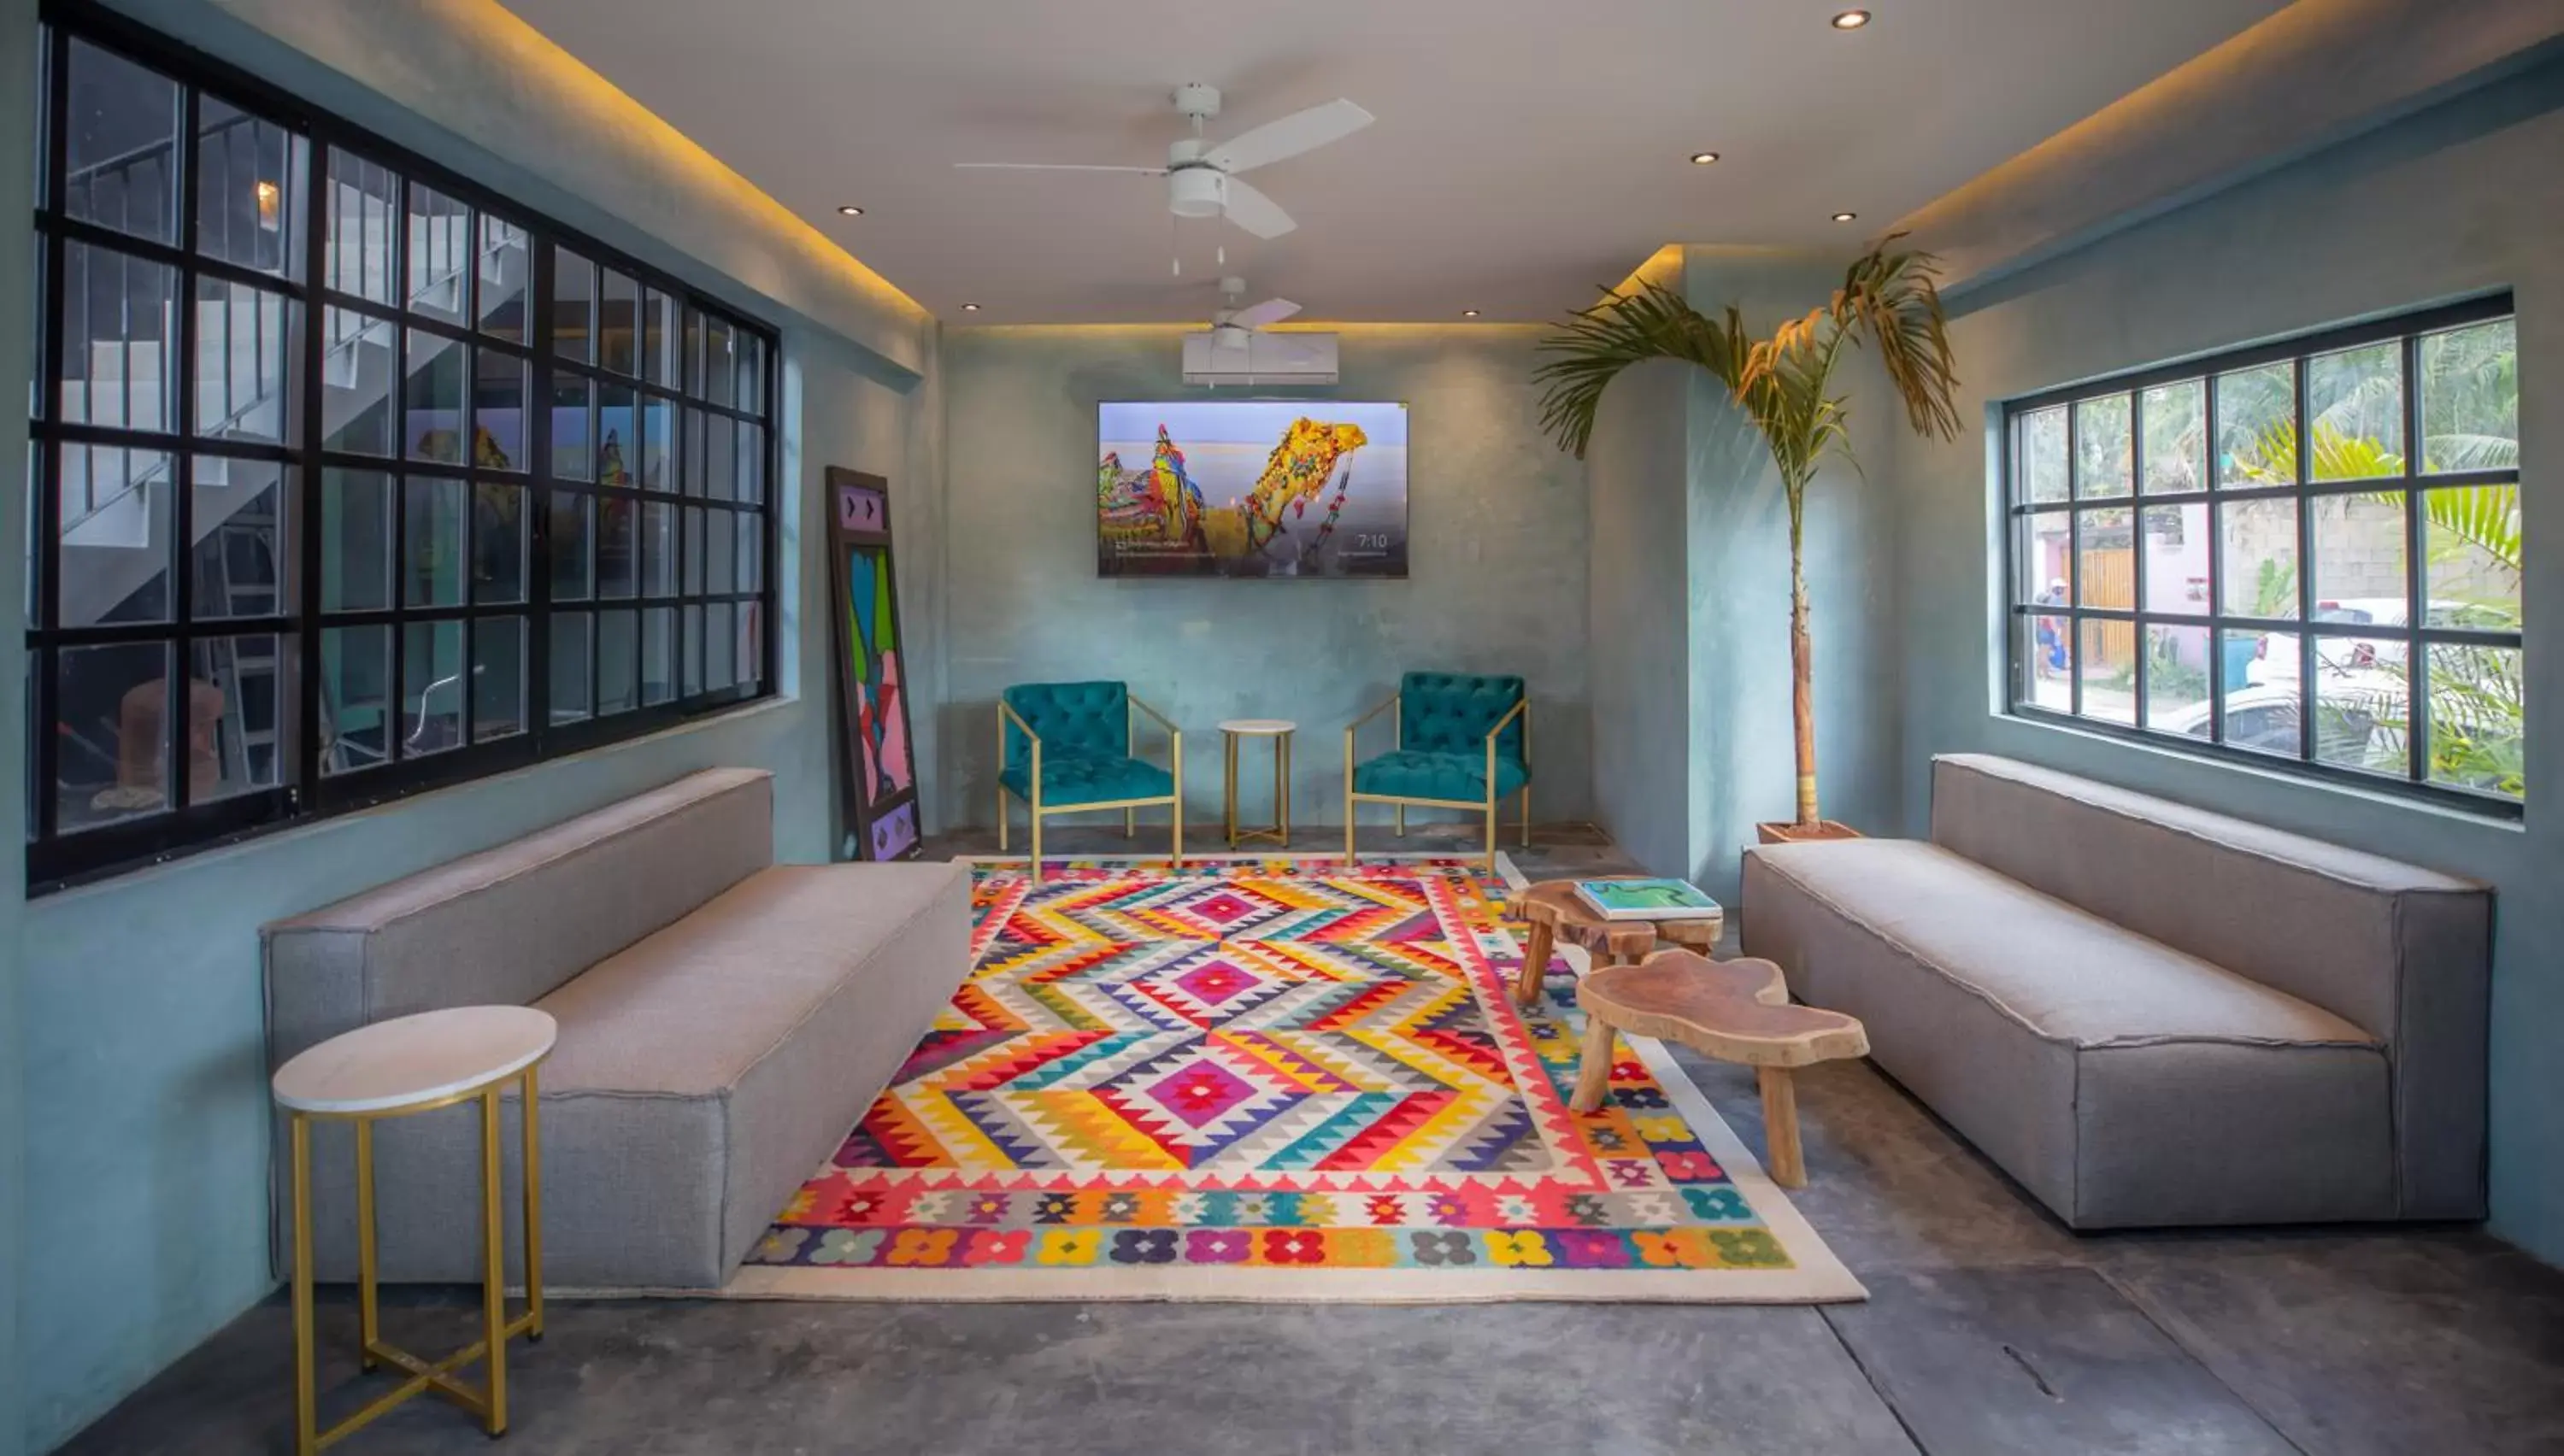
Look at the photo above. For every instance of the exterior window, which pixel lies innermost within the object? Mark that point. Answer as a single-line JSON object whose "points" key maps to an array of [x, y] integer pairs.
{"points": [[349, 479], [2306, 555]]}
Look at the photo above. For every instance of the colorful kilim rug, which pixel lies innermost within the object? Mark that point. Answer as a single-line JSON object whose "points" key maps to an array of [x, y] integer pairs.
{"points": [[1277, 1080]]}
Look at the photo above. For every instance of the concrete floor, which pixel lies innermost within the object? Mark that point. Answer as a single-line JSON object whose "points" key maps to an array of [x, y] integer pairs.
{"points": [[1990, 1330]]}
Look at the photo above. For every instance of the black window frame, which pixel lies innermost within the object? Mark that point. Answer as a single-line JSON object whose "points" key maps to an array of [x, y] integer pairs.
{"points": [[2416, 635], [302, 792]]}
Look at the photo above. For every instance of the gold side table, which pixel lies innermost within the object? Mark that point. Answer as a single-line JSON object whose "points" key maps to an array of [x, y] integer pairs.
{"points": [[1279, 730], [393, 1069]]}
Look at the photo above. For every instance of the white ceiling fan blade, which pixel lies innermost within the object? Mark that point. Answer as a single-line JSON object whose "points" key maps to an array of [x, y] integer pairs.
{"points": [[1255, 211], [1293, 134], [1271, 310], [1055, 168]]}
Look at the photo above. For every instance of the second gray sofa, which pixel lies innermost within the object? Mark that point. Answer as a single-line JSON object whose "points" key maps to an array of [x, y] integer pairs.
{"points": [[2150, 1014], [724, 1022]]}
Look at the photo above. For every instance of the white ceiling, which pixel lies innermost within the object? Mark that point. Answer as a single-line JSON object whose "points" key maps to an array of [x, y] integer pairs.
{"points": [[1526, 150]]}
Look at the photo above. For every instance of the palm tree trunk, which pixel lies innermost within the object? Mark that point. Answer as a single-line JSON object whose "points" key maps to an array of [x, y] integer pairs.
{"points": [[1802, 706]]}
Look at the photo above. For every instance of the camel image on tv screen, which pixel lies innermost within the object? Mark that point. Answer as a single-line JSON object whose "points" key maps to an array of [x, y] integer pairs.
{"points": [[1250, 487]]}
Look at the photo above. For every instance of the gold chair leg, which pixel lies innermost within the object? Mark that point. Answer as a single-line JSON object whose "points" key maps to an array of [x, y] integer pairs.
{"points": [[1036, 839], [1526, 816], [368, 1308], [494, 1272], [1491, 833], [532, 1153], [307, 1426], [1130, 822], [1401, 821], [1001, 820]]}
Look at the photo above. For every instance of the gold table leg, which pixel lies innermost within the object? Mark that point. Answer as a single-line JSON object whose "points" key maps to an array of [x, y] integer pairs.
{"points": [[369, 1307], [307, 1426], [494, 1267], [534, 1191]]}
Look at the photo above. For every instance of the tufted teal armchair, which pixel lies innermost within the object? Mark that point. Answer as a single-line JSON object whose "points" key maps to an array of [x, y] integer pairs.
{"points": [[1463, 742], [1065, 748]]}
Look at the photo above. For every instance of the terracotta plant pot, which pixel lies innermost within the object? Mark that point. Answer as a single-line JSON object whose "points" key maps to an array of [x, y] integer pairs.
{"points": [[1783, 832]]}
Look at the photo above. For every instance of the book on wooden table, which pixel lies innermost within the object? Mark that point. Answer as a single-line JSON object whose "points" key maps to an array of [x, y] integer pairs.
{"points": [[1646, 899]]}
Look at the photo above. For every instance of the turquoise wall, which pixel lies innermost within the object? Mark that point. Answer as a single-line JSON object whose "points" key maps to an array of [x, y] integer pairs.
{"points": [[144, 1080], [1496, 533], [1638, 490], [2460, 199]]}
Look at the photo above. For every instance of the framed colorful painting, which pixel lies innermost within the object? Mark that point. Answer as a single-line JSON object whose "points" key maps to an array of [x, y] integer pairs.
{"points": [[879, 773]]}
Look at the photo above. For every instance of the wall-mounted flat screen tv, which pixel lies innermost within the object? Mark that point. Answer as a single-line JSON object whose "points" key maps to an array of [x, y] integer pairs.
{"points": [[1250, 487]]}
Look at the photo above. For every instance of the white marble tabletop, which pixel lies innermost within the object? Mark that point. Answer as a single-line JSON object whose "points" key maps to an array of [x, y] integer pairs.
{"points": [[1260, 726], [410, 1060]]}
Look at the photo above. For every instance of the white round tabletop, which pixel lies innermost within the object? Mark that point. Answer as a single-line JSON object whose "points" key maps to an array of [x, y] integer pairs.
{"points": [[410, 1060], [1260, 727]]}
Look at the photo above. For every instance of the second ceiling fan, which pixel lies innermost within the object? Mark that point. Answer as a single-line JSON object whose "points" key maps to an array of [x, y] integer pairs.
{"points": [[1202, 177]]}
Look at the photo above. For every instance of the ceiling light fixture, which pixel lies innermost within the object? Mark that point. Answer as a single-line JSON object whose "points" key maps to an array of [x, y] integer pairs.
{"points": [[1845, 216], [1850, 20], [969, 308], [1703, 158], [851, 210], [1468, 313]]}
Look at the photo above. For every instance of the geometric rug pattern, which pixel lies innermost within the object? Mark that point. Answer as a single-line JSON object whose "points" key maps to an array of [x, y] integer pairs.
{"points": [[1276, 1080]]}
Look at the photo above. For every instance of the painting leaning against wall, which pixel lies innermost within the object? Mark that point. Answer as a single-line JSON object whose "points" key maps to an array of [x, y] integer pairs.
{"points": [[879, 771]]}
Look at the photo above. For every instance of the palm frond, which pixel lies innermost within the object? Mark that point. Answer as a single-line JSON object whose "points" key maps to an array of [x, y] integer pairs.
{"points": [[1624, 330], [1890, 298]]}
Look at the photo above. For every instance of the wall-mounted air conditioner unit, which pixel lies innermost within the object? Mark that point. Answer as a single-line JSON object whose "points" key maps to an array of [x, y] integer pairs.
{"points": [[1242, 357]]}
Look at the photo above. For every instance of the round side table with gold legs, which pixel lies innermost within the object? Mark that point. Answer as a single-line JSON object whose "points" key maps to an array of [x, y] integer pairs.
{"points": [[392, 1069], [1279, 730]]}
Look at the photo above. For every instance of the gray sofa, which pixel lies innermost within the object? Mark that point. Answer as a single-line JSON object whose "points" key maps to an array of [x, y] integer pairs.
{"points": [[724, 1022], [2150, 1014]]}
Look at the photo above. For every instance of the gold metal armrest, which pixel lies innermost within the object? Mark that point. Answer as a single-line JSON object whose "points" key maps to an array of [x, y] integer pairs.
{"points": [[1520, 709], [1385, 705], [1006, 714], [1164, 721]]}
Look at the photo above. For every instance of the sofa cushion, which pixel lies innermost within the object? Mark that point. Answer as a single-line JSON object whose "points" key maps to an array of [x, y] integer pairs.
{"points": [[1457, 776], [1069, 719], [1452, 713], [506, 924], [1088, 778], [2064, 973], [699, 1077]]}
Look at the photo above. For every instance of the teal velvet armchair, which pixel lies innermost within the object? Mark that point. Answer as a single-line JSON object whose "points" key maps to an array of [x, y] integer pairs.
{"points": [[1463, 742], [1065, 748]]}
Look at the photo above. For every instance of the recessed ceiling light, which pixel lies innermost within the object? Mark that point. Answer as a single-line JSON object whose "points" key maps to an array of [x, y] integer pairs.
{"points": [[969, 308], [851, 210], [1850, 20], [1845, 216], [1703, 158], [1468, 313]]}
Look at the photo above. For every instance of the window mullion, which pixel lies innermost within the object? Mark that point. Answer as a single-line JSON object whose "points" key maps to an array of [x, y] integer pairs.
{"points": [[2140, 646], [178, 708], [310, 546], [2309, 697], [537, 421], [2416, 586]]}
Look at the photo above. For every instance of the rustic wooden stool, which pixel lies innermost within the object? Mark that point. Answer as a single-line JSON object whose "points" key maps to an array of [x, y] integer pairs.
{"points": [[1555, 911], [1734, 1010]]}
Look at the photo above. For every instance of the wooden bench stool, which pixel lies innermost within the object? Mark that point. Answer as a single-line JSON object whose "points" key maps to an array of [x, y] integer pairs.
{"points": [[1734, 1010], [1555, 913]]}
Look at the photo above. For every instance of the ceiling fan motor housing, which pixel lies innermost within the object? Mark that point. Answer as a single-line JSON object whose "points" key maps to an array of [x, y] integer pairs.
{"points": [[1195, 191]]}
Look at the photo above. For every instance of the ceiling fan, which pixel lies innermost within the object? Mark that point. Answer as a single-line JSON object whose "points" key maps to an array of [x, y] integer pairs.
{"points": [[1201, 178], [1235, 322]]}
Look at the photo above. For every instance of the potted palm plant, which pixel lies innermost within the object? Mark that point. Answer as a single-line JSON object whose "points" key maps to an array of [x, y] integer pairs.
{"points": [[1889, 299]]}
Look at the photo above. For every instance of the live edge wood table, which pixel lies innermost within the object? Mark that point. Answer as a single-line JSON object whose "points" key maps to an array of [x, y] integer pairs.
{"points": [[392, 1069], [1734, 1010], [1555, 913]]}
